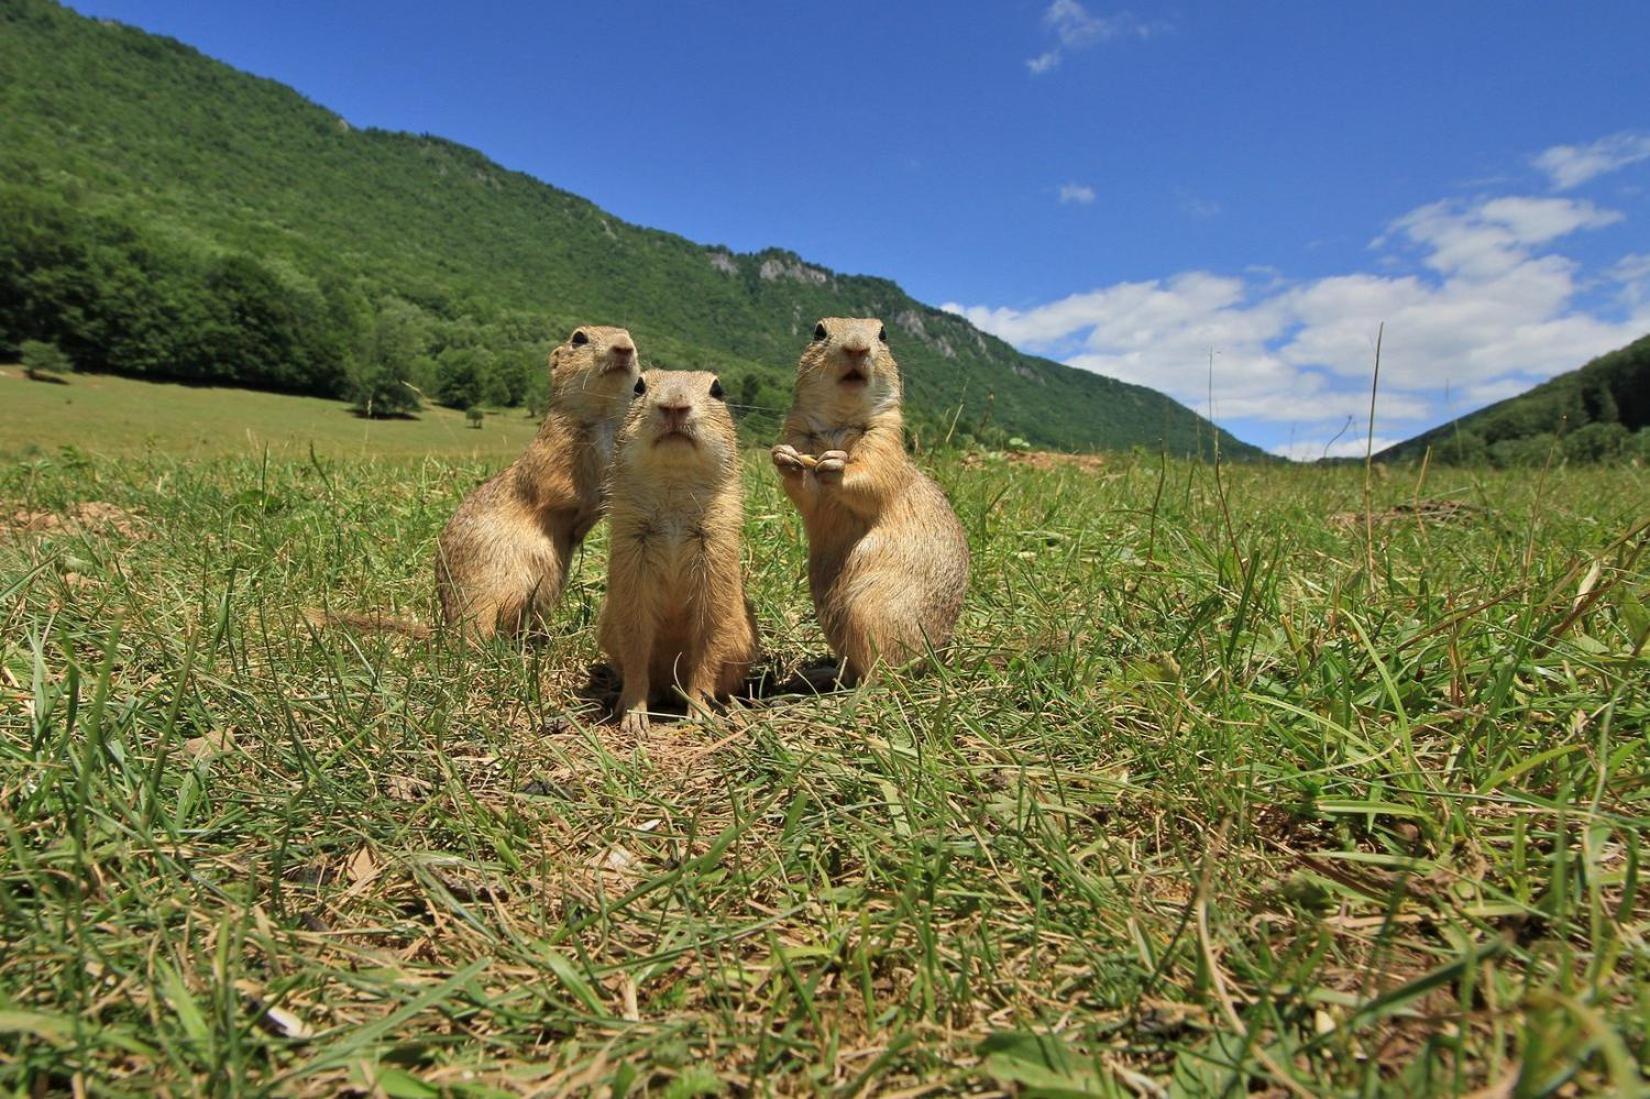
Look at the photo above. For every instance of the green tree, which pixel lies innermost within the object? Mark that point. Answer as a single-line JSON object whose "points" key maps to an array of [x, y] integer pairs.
{"points": [[379, 383], [458, 377], [502, 383], [1529, 452], [1602, 403], [474, 416], [1463, 448], [1596, 442], [41, 359]]}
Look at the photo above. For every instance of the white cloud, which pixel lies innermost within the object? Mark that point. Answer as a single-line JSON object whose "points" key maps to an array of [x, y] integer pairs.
{"points": [[1199, 207], [1080, 193], [1077, 29], [1043, 62], [1353, 443], [1490, 308], [1632, 274], [1490, 237], [1572, 165]]}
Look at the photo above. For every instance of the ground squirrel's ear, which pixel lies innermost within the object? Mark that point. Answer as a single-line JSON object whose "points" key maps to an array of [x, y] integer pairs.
{"points": [[716, 388], [882, 333], [819, 330], [641, 387], [579, 338]]}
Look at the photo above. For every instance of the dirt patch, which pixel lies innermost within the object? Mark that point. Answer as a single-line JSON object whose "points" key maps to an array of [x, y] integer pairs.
{"points": [[1039, 459], [86, 517], [1426, 511]]}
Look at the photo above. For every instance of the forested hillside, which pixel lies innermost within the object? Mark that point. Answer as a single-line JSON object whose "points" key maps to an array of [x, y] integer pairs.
{"points": [[163, 215], [1600, 412]]}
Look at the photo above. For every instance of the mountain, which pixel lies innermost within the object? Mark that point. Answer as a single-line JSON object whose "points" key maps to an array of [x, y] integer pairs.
{"points": [[1598, 412], [165, 215]]}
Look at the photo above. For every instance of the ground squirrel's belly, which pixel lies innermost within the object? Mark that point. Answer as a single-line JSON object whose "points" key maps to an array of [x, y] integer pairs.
{"points": [[818, 440], [668, 550]]}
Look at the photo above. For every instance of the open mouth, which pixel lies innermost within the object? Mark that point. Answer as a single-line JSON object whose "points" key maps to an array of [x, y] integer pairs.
{"points": [[853, 377], [675, 433]]}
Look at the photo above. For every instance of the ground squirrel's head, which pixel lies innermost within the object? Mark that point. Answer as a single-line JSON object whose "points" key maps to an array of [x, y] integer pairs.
{"points": [[593, 371], [848, 369], [678, 419]]}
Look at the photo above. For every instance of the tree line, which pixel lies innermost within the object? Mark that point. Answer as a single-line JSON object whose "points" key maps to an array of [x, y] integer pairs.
{"points": [[115, 296], [1597, 413], [1599, 442]]}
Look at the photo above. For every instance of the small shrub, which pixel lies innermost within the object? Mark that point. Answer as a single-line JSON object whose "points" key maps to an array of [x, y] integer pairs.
{"points": [[40, 359]]}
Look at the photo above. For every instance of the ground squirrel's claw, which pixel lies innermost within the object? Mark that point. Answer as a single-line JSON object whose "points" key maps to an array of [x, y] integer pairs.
{"points": [[698, 703], [634, 723], [788, 461], [830, 465]]}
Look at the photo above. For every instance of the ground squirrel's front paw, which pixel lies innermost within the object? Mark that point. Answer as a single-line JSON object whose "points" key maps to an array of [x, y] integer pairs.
{"points": [[633, 722], [830, 466], [788, 461]]}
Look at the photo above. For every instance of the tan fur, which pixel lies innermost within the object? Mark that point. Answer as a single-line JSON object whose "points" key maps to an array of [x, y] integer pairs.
{"points": [[887, 559], [502, 559], [676, 613]]}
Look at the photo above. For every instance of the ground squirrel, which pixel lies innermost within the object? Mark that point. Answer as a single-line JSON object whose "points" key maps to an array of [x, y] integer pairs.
{"points": [[887, 560], [502, 558], [676, 612]]}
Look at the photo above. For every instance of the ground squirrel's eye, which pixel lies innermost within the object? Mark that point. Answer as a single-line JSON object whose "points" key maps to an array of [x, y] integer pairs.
{"points": [[819, 330], [641, 387], [882, 334], [579, 339], [716, 388]]}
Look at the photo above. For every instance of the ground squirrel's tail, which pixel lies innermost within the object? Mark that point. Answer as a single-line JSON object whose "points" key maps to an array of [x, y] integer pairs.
{"points": [[366, 622]]}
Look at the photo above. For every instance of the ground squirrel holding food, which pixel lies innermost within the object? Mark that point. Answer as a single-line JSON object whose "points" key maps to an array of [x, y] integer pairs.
{"points": [[676, 615], [502, 558], [887, 559]]}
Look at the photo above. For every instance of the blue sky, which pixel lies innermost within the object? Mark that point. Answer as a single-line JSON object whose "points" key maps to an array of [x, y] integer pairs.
{"points": [[1123, 188]]}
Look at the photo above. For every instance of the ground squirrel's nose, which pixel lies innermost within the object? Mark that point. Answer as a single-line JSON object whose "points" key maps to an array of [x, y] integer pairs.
{"points": [[623, 350], [675, 414], [856, 348]]}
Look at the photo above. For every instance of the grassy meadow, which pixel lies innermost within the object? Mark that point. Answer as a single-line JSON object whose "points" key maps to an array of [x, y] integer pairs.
{"points": [[105, 414], [1231, 784]]}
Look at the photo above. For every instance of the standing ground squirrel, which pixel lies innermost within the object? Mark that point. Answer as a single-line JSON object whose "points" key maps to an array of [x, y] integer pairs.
{"points": [[502, 558], [676, 612], [887, 560]]}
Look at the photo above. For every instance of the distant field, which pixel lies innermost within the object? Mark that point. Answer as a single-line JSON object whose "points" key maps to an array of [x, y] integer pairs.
{"points": [[1214, 796], [103, 414]]}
